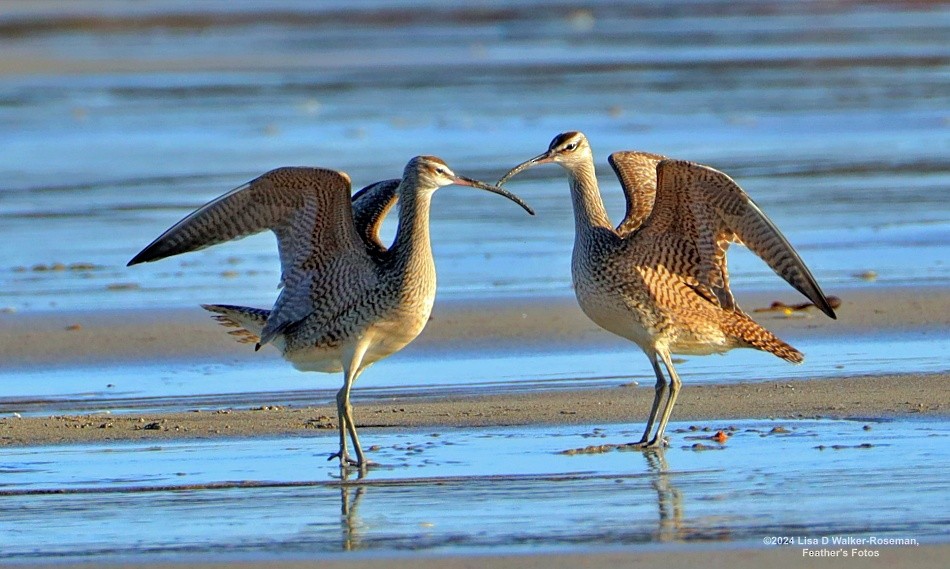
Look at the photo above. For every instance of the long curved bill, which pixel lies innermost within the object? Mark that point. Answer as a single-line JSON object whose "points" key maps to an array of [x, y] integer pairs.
{"points": [[540, 159], [463, 181]]}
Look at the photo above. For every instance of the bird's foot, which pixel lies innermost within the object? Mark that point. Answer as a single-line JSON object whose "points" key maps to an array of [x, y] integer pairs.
{"points": [[363, 463], [348, 462], [345, 459], [643, 444]]}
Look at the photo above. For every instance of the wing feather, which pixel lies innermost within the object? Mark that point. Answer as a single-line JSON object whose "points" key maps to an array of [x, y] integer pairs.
{"points": [[304, 206], [310, 212], [712, 210], [637, 174], [370, 207]]}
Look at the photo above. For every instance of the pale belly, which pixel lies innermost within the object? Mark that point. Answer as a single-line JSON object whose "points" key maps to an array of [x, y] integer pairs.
{"points": [[323, 359], [613, 315], [389, 336], [649, 326], [382, 338]]}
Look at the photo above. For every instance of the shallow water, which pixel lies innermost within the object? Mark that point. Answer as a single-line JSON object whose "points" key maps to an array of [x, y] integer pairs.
{"points": [[189, 384], [118, 118], [833, 116], [498, 489]]}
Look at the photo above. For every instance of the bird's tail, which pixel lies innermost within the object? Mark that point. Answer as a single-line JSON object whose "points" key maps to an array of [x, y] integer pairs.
{"points": [[750, 333], [248, 321]]}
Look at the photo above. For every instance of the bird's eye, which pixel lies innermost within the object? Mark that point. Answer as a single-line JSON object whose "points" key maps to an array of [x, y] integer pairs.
{"points": [[571, 147], [440, 171]]}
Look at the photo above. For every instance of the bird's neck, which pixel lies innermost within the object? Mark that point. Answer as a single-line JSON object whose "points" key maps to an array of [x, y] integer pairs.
{"points": [[589, 209], [412, 246]]}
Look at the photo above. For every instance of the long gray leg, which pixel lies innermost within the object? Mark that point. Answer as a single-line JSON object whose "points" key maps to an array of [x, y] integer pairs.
{"points": [[345, 410], [350, 377], [350, 423], [659, 393], [675, 385], [342, 397]]}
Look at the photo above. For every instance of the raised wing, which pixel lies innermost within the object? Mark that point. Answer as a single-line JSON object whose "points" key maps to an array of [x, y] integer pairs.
{"points": [[711, 209], [305, 207], [637, 173], [308, 209], [370, 207]]}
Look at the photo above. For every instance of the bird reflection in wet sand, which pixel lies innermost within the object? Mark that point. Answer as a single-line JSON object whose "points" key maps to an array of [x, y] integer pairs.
{"points": [[672, 524], [669, 498], [347, 301], [350, 496]]}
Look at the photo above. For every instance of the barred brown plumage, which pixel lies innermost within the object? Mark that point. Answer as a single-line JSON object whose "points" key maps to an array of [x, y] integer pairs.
{"points": [[660, 277], [347, 301]]}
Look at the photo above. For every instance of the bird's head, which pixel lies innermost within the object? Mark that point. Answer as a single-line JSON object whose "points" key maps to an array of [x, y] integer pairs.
{"points": [[567, 149], [429, 173]]}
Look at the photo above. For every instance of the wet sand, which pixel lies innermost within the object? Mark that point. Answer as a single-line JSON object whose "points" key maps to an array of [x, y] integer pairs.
{"points": [[65, 340], [857, 397], [69, 338], [62, 339], [162, 120]]}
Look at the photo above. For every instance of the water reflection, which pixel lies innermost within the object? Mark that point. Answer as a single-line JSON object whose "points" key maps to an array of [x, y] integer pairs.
{"points": [[108, 136], [669, 498], [478, 509], [486, 489], [490, 493], [350, 497]]}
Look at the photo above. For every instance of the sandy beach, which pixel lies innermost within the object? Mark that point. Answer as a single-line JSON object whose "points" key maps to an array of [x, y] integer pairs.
{"points": [[111, 339], [170, 338], [135, 432], [125, 336], [66, 338], [857, 397]]}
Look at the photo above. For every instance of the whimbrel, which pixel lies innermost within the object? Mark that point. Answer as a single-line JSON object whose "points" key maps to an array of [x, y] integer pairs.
{"points": [[347, 300], [659, 278]]}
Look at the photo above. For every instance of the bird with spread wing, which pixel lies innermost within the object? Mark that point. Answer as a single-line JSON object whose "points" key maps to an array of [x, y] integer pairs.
{"points": [[659, 278], [346, 299]]}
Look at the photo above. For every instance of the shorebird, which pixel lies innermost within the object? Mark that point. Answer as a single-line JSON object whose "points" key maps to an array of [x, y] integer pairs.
{"points": [[347, 300], [659, 279]]}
